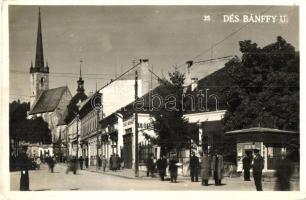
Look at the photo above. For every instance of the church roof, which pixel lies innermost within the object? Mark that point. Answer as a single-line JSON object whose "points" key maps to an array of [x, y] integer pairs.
{"points": [[48, 100]]}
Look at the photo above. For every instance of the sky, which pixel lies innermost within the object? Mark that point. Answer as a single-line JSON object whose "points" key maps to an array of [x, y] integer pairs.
{"points": [[109, 38]]}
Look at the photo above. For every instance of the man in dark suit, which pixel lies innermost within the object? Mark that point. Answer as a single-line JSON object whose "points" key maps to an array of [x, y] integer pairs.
{"points": [[162, 166], [194, 166], [258, 165], [24, 165], [247, 162]]}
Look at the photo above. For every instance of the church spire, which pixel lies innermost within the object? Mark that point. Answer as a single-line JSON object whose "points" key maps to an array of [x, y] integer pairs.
{"points": [[80, 82], [39, 59]]}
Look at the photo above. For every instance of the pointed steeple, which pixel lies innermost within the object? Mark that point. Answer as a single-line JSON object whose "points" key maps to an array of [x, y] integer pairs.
{"points": [[39, 59], [80, 82]]}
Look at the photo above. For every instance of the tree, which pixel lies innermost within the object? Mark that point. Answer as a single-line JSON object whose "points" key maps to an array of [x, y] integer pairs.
{"points": [[266, 87], [173, 130], [27, 130]]}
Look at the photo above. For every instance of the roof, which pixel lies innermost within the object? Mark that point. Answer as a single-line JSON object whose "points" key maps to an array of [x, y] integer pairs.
{"points": [[72, 107], [260, 130], [48, 100]]}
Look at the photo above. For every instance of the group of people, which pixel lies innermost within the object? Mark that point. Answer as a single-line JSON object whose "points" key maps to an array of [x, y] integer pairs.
{"points": [[208, 165], [161, 165], [283, 170]]}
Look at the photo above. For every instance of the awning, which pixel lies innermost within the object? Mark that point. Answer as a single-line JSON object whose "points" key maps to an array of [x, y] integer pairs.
{"points": [[260, 130]]}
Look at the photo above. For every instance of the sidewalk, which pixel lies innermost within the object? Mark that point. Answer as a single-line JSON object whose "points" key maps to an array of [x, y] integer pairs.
{"points": [[126, 173], [130, 174]]}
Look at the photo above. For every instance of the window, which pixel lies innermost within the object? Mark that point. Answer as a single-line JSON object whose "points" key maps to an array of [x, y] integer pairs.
{"points": [[41, 82]]}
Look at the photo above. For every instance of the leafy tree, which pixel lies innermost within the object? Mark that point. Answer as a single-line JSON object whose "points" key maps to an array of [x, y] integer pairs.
{"points": [[28, 130], [266, 87], [173, 130]]}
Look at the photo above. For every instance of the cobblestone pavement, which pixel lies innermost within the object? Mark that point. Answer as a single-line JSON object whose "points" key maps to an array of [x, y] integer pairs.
{"points": [[90, 179]]}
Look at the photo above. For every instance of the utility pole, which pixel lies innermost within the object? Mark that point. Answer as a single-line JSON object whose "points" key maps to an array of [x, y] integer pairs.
{"points": [[67, 148], [98, 131], [77, 142], [136, 128]]}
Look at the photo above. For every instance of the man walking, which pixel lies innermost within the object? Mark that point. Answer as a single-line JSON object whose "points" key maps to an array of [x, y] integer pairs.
{"points": [[162, 166], [104, 163], [284, 170], [246, 162], [81, 162], [194, 166], [217, 168], [150, 166], [173, 170], [258, 165]]}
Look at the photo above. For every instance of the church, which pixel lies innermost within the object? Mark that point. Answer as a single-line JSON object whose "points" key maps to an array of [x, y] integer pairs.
{"points": [[45, 102]]}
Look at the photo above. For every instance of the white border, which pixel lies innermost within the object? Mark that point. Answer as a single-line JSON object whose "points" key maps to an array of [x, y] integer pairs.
{"points": [[4, 82]]}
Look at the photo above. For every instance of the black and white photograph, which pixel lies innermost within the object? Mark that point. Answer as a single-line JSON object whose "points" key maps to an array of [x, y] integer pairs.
{"points": [[153, 98]]}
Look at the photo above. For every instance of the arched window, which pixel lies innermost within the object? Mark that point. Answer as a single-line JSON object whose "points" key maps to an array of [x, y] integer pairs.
{"points": [[41, 82]]}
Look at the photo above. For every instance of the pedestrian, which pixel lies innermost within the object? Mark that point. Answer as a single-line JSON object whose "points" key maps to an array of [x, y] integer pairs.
{"points": [[173, 169], [150, 165], [258, 165], [194, 166], [205, 168], [104, 163], [81, 160], [118, 161], [52, 163], [86, 161], [24, 163], [115, 162], [111, 162], [247, 162], [217, 167], [38, 162], [283, 173], [162, 166], [99, 162]]}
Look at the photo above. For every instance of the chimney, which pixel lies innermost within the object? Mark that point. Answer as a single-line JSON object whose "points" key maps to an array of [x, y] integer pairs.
{"points": [[144, 76], [188, 80], [194, 83]]}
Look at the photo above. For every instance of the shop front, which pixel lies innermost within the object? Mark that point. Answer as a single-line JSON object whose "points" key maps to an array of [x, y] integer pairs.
{"points": [[273, 143]]}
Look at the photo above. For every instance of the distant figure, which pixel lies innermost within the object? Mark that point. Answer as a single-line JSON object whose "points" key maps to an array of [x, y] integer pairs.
{"points": [[118, 162], [150, 166], [38, 162], [205, 168], [86, 161], [173, 170], [258, 165], [24, 164], [194, 167], [72, 165], [217, 168], [111, 162], [51, 163], [162, 166], [283, 173], [99, 162], [81, 160], [104, 163], [247, 162]]}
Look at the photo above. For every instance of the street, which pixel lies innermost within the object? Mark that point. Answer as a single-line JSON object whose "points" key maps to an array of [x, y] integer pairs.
{"points": [[43, 180]]}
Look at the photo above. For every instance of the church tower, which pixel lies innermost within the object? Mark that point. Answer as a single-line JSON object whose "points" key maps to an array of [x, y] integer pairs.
{"points": [[80, 82], [39, 73]]}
